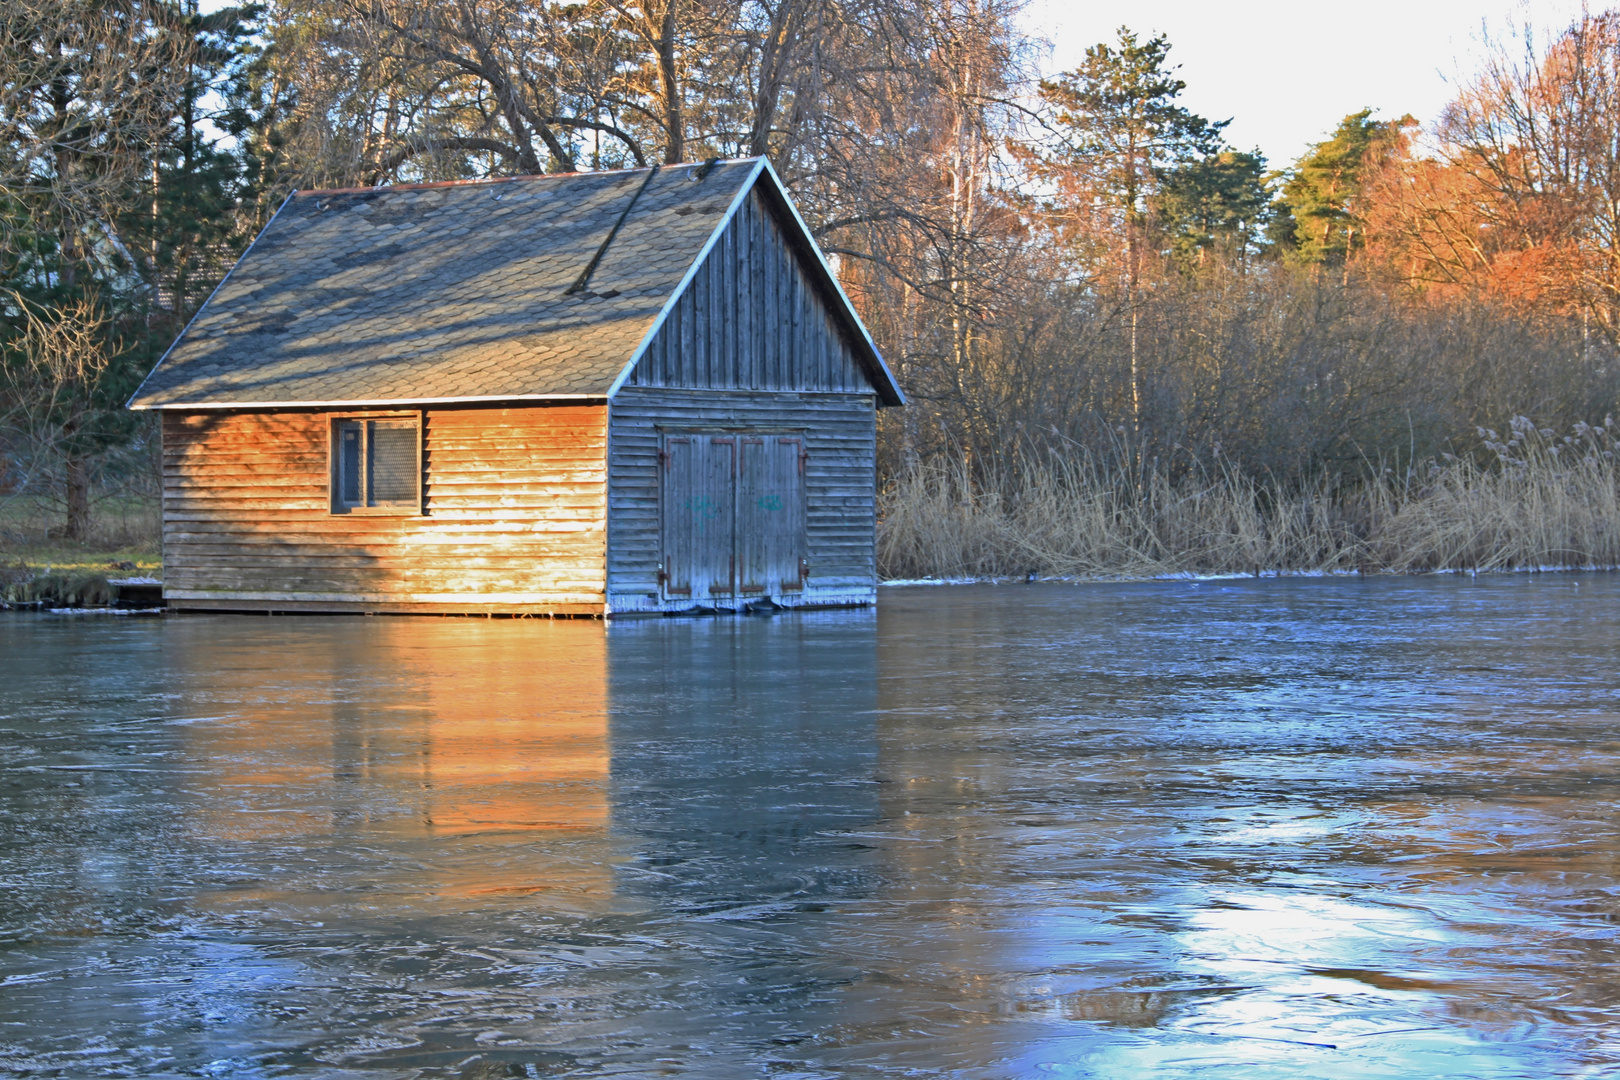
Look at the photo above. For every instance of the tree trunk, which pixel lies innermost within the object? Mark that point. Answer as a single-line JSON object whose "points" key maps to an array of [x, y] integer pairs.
{"points": [[910, 457], [76, 480], [1130, 302], [1136, 383], [669, 76]]}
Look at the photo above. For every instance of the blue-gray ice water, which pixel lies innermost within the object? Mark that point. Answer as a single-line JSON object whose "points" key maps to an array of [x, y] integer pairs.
{"points": [[1255, 829]]}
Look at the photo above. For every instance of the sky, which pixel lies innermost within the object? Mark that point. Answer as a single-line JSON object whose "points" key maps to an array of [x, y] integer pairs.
{"points": [[1287, 72]]}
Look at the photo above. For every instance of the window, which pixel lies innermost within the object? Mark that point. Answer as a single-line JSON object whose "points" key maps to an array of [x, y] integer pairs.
{"points": [[376, 466]]}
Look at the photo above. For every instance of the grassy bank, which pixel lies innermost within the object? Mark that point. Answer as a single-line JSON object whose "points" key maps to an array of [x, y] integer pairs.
{"points": [[1538, 500], [124, 538]]}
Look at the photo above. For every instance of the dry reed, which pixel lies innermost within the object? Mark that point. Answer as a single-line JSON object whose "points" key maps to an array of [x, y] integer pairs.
{"points": [[1544, 501]]}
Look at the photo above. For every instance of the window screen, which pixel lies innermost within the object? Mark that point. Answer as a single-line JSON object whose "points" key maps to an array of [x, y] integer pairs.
{"points": [[377, 465]]}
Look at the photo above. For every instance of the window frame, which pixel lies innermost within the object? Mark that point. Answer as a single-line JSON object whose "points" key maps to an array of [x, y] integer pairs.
{"points": [[334, 480]]}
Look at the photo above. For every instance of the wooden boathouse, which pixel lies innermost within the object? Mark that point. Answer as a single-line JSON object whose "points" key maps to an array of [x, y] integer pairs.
{"points": [[594, 394]]}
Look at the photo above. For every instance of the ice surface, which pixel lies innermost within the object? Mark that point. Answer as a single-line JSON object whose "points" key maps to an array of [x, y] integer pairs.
{"points": [[1247, 829]]}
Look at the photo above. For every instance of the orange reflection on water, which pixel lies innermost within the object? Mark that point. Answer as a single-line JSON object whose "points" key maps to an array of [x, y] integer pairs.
{"points": [[518, 737], [469, 757]]}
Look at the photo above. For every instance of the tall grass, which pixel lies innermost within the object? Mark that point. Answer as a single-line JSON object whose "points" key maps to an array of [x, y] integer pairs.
{"points": [[119, 520], [1538, 500], [37, 563]]}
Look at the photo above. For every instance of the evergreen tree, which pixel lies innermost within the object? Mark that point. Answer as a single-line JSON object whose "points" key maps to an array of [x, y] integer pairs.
{"points": [[1118, 126], [1322, 193], [1213, 207], [118, 207], [185, 229]]}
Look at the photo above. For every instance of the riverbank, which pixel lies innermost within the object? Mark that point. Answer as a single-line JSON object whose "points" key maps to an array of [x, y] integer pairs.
{"points": [[1540, 501], [61, 573], [124, 539], [1263, 575], [38, 567]]}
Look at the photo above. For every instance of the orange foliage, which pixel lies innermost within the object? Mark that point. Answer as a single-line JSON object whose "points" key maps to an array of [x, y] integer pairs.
{"points": [[1442, 228], [1520, 197]]}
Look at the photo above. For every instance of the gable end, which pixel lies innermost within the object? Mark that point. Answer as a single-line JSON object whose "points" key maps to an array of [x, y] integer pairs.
{"points": [[761, 312]]}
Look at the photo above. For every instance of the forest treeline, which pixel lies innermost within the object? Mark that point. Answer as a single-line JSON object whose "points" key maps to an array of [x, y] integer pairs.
{"points": [[1061, 268]]}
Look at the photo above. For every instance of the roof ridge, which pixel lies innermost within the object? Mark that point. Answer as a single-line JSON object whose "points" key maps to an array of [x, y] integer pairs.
{"points": [[364, 298], [381, 188]]}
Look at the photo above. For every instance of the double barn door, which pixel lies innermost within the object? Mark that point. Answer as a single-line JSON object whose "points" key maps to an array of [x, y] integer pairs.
{"points": [[733, 516]]}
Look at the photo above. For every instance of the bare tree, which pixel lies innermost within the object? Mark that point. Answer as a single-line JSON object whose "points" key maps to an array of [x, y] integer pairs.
{"points": [[1537, 139], [47, 385], [397, 88], [89, 94]]}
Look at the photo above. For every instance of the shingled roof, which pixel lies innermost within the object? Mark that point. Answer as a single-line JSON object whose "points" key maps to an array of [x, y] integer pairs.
{"points": [[463, 292]]}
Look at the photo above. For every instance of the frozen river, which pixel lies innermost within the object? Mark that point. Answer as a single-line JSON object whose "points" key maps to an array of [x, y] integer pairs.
{"points": [[1254, 829]]}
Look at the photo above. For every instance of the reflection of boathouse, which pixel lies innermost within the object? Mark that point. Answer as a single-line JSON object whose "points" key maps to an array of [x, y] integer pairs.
{"points": [[441, 767], [601, 393]]}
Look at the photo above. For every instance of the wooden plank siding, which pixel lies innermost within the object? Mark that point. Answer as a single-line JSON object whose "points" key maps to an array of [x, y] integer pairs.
{"points": [[753, 318], [515, 521], [752, 346], [840, 485]]}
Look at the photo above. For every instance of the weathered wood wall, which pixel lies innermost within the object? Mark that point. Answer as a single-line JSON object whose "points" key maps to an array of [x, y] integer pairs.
{"points": [[753, 318], [840, 485], [515, 516], [751, 346]]}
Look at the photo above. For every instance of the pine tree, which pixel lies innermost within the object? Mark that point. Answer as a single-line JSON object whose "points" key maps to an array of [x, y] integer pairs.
{"points": [[1321, 195], [1118, 126], [118, 208], [1213, 207]]}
